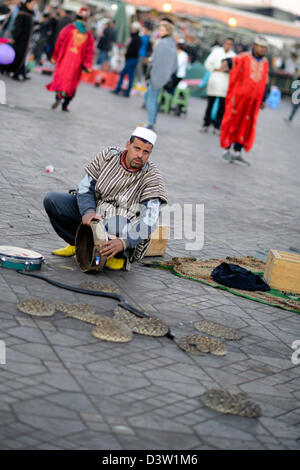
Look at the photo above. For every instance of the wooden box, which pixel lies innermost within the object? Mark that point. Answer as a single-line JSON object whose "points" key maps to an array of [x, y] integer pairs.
{"points": [[282, 271], [159, 240]]}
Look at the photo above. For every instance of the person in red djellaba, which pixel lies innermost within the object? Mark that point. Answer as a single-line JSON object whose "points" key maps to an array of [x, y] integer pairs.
{"points": [[246, 95], [73, 52]]}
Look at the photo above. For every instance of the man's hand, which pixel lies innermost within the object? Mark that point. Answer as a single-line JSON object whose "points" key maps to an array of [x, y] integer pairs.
{"points": [[111, 248], [263, 105], [87, 218], [224, 66]]}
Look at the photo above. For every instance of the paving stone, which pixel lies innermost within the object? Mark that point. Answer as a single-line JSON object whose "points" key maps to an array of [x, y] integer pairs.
{"points": [[56, 426], [96, 426], [38, 351], [74, 401], [6, 418], [95, 440], [215, 428], [234, 444], [29, 334], [290, 444], [149, 440], [27, 442], [61, 339], [280, 429], [41, 407], [154, 422], [102, 367], [25, 368], [51, 447], [26, 322], [110, 384], [72, 356], [60, 380]]}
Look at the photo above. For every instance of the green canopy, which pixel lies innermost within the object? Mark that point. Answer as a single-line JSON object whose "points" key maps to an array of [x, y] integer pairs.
{"points": [[121, 24]]}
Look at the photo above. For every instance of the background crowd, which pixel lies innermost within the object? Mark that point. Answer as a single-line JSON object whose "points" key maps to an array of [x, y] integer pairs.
{"points": [[153, 51], [196, 40]]}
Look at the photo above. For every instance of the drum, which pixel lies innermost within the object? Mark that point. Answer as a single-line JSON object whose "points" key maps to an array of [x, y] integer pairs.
{"points": [[87, 245], [20, 258]]}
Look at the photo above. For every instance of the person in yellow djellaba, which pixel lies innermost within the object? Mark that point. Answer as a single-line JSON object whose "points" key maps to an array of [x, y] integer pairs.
{"points": [[122, 189]]}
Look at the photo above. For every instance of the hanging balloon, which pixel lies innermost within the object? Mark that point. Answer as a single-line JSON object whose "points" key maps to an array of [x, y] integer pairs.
{"points": [[7, 54]]}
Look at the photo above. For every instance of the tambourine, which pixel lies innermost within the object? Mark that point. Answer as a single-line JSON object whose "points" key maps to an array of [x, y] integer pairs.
{"points": [[87, 242], [17, 258]]}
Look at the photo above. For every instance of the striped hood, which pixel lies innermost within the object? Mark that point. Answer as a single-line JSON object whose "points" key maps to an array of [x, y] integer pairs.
{"points": [[120, 192]]}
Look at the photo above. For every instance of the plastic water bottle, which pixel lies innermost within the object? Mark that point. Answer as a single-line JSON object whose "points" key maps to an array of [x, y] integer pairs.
{"points": [[274, 98], [49, 169]]}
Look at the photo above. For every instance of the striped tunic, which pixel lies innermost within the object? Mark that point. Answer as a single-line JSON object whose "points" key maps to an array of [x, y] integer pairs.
{"points": [[120, 192]]}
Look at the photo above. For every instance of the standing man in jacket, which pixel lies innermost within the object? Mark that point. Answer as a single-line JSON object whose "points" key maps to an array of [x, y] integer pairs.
{"points": [[144, 52], [107, 38], [163, 65], [131, 59], [217, 84], [21, 37]]}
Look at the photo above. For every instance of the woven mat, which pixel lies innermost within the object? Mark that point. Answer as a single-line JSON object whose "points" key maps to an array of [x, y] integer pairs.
{"points": [[200, 270]]}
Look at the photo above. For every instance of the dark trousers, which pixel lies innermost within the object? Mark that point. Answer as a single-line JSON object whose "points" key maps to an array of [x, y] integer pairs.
{"points": [[66, 99], [294, 110], [220, 113], [236, 146], [63, 212], [39, 48], [21, 71], [128, 69]]}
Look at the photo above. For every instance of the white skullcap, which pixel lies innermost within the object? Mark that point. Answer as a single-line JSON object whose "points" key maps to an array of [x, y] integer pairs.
{"points": [[136, 25], [261, 41], [146, 134]]}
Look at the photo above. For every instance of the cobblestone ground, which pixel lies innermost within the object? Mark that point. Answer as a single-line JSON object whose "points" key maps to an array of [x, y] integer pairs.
{"points": [[61, 388]]}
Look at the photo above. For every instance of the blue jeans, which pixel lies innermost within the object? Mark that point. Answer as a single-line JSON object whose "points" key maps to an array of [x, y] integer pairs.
{"points": [[151, 103], [128, 69], [102, 57]]}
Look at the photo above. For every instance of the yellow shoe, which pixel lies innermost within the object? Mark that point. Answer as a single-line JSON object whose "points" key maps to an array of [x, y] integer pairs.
{"points": [[68, 250], [115, 263]]}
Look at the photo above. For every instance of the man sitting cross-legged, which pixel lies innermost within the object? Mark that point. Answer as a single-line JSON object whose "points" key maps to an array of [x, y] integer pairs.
{"points": [[121, 188]]}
